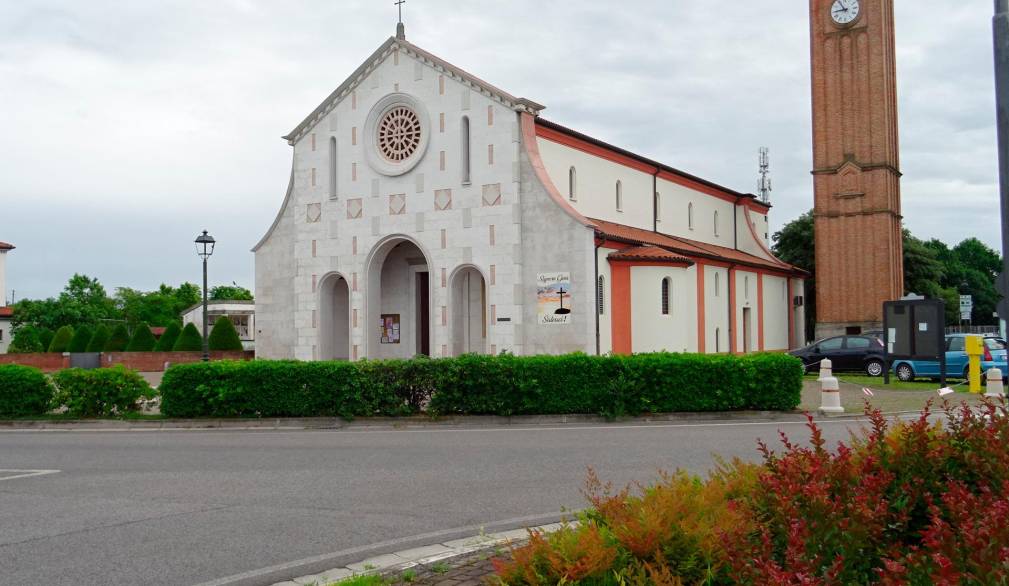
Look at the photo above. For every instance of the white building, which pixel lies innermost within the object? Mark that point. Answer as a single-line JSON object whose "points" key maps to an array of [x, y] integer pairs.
{"points": [[6, 313], [241, 313], [430, 212]]}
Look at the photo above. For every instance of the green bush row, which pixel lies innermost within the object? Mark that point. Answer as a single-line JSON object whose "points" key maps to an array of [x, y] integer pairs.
{"points": [[485, 385], [102, 392], [175, 339]]}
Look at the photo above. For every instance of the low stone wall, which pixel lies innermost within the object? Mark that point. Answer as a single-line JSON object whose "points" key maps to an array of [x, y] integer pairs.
{"points": [[139, 361], [46, 362]]}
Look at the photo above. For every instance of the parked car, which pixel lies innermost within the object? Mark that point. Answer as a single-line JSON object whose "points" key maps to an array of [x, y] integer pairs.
{"points": [[957, 365], [846, 353]]}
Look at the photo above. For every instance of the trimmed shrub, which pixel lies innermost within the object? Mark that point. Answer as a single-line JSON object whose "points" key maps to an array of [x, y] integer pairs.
{"points": [[99, 339], [904, 502], [61, 341], [189, 340], [79, 343], [119, 339], [100, 392], [24, 391], [46, 337], [168, 338], [142, 341], [223, 336], [485, 385], [26, 341]]}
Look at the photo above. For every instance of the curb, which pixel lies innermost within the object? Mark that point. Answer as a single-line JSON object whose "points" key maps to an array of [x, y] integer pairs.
{"points": [[402, 560], [387, 423]]}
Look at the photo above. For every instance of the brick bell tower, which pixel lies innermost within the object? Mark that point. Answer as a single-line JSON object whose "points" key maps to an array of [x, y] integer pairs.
{"points": [[856, 164]]}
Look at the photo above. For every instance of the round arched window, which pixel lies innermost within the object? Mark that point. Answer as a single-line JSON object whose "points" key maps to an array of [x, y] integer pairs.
{"points": [[399, 134]]}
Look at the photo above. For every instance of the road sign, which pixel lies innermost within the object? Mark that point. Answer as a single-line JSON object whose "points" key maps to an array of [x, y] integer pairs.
{"points": [[966, 306]]}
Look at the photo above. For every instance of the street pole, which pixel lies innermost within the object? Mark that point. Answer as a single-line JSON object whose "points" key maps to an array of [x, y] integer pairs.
{"points": [[1000, 24], [206, 340]]}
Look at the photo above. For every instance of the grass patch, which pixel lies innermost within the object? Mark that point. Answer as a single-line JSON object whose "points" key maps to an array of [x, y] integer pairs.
{"points": [[876, 382], [408, 576], [129, 416], [364, 580], [440, 568]]}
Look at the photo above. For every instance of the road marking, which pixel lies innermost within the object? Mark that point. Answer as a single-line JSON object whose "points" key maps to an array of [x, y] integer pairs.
{"points": [[23, 473], [381, 544]]}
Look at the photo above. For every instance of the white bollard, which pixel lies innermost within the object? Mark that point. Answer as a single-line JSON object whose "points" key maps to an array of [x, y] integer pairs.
{"points": [[826, 369], [994, 389], [830, 394]]}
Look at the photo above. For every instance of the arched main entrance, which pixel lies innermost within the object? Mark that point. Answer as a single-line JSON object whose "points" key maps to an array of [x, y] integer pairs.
{"points": [[469, 312], [334, 318], [399, 300]]}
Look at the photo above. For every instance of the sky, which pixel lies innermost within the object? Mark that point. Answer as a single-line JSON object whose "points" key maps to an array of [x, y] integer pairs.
{"points": [[126, 128]]}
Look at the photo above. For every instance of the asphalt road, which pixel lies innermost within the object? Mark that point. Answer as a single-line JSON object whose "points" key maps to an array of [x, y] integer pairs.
{"points": [[186, 508]]}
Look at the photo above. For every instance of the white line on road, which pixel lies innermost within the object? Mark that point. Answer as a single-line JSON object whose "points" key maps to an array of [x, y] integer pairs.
{"points": [[382, 544], [23, 473]]}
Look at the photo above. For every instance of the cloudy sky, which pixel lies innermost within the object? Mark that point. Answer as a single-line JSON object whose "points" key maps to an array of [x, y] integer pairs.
{"points": [[127, 127]]}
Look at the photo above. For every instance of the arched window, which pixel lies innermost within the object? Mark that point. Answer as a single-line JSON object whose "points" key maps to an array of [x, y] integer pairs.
{"points": [[465, 151], [658, 206], [718, 287], [718, 341], [601, 294], [572, 184], [746, 287], [620, 196], [690, 215], [333, 166], [666, 286], [716, 224]]}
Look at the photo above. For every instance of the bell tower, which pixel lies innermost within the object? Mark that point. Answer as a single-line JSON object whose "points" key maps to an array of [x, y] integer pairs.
{"points": [[856, 164]]}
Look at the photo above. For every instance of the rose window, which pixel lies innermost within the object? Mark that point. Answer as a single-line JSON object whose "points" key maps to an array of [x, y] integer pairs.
{"points": [[399, 134]]}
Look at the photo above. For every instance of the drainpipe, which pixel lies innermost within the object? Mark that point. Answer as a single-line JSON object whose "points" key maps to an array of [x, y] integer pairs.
{"points": [[655, 200], [595, 285]]}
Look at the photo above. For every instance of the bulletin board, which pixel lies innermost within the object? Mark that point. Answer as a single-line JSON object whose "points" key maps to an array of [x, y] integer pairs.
{"points": [[389, 328]]}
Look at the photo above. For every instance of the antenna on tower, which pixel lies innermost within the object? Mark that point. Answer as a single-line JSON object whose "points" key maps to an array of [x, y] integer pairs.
{"points": [[764, 183]]}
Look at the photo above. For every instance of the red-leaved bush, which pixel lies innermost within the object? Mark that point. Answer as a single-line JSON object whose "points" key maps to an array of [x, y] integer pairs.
{"points": [[917, 502]]}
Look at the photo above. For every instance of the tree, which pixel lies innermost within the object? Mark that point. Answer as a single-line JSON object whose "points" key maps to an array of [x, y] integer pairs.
{"points": [[79, 343], [142, 341], [61, 341], [231, 292], [159, 308], [46, 337], [25, 341], [796, 245], [189, 340], [167, 340], [223, 336], [119, 339], [82, 302], [99, 339]]}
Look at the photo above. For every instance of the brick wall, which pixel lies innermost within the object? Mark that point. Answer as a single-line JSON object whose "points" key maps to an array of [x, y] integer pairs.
{"points": [[139, 361]]}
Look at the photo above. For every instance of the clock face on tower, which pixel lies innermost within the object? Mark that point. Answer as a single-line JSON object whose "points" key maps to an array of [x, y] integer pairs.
{"points": [[845, 11]]}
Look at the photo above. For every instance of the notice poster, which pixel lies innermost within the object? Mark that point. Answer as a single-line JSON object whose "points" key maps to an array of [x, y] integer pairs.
{"points": [[389, 328], [553, 298]]}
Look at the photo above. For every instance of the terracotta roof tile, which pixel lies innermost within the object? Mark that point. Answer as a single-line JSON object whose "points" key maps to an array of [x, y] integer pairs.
{"points": [[6, 311], [5, 246], [653, 253], [687, 247]]}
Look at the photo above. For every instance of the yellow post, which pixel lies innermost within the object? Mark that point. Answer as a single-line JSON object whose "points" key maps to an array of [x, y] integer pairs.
{"points": [[975, 350]]}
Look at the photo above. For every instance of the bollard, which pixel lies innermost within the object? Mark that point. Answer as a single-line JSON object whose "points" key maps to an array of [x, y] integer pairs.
{"points": [[830, 389], [994, 389], [826, 369]]}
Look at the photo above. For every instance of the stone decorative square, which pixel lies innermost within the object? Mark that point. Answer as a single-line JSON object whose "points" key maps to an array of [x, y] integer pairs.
{"points": [[314, 213], [355, 208], [443, 199], [492, 194], [397, 204]]}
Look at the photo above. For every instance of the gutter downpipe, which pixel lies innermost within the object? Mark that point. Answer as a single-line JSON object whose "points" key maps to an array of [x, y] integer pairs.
{"points": [[595, 286]]}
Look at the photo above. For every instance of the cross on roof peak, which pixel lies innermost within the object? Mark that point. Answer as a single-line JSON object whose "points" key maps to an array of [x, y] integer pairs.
{"points": [[400, 29]]}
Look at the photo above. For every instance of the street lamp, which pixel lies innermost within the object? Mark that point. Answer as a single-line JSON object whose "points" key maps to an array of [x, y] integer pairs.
{"points": [[204, 248]]}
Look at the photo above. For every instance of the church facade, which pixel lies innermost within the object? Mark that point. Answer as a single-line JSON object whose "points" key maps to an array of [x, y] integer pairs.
{"points": [[429, 212]]}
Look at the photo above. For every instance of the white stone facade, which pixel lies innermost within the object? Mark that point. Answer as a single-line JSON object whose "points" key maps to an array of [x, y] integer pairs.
{"points": [[392, 241]]}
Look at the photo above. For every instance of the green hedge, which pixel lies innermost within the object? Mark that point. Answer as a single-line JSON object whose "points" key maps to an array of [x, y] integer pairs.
{"points": [[118, 340], [223, 336], [100, 392], [79, 343], [24, 391], [485, 385], [61, 341], [143, 340], [168, 338], [99, 339], [190, 340]]}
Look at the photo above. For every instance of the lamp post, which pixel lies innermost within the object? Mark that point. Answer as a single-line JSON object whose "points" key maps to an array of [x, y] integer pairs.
{"points": [[204, 248]]}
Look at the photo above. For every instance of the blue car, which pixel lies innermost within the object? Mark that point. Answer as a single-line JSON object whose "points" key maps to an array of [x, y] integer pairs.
{"points": [[956, 360]]}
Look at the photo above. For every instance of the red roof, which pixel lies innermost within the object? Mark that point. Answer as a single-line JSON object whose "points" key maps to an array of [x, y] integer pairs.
{"points": [[692, 249], [5, 246], [6, 312], [646, 253], [158, 332]]}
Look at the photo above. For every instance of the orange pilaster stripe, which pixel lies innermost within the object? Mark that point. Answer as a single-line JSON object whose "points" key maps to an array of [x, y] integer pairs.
{"points": [[732, 313], [701, 340], [620, 308], [760, 311]]}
